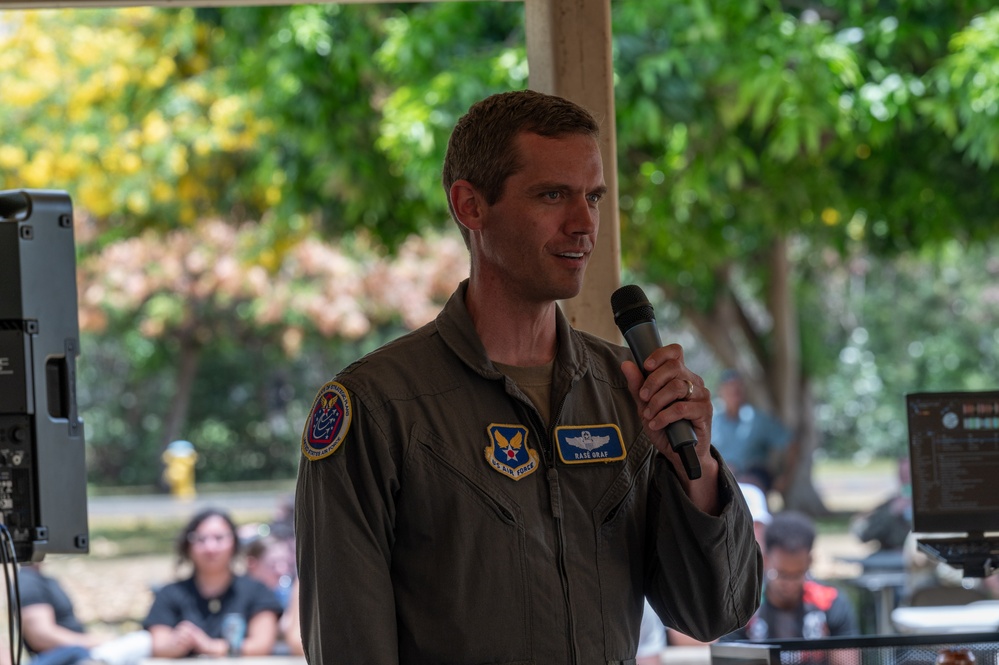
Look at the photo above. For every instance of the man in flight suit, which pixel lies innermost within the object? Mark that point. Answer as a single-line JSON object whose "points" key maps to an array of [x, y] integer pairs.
{"points": [[497, 487]]}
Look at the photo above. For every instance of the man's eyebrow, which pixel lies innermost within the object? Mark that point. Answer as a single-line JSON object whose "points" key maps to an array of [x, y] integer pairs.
{"points": [[548, 186], [561, 186]]}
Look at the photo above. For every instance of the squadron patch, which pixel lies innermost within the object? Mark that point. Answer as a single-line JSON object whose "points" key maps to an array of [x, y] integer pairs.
{"points": [[584, 444], [328, 423], [508, 453]]}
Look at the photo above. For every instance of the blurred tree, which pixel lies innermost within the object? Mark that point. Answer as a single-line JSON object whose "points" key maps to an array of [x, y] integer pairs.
{"points": [[771, 134], [253, 129], [362, 99], [126, 110], [794, 148], [917, 322], [216, 349]]}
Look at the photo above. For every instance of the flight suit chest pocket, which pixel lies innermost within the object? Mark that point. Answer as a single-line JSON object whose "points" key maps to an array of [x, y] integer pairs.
{"points": [[459, 558]]}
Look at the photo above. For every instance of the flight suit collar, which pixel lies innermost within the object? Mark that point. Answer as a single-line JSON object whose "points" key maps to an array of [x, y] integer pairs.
{"points": [[455, 326]]}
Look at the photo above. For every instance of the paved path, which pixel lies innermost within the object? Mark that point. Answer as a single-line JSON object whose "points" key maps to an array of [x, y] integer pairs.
{"points": [[843, 490], [852, 491], [164, 505]]}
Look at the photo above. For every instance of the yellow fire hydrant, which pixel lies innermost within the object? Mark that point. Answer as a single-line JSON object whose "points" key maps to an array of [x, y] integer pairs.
{"points": [[179, 458]]}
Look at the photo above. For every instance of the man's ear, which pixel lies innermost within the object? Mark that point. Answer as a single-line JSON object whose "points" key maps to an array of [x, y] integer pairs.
{"points": [[468, 204]]}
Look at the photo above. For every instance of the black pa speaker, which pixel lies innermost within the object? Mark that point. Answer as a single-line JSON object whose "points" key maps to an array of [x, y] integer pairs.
{"points": [[43, 478]]}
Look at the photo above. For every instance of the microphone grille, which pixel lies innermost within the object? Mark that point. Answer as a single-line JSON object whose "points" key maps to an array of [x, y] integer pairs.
{"points": [[631, 307]]}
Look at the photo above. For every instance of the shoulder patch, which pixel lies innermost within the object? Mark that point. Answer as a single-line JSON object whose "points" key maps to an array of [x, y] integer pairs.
{"points": [[508, 453], [328, 422], [585, 444]]}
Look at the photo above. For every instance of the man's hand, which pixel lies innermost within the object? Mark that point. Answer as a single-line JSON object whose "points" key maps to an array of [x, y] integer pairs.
{"points": [[669, 393]]}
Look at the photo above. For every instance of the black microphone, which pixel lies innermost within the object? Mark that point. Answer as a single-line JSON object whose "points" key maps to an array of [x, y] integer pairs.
{"points": [[635, 318]]}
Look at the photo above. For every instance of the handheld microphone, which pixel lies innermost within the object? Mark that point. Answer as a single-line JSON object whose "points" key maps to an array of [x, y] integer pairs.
{"points": [[635, 318]]}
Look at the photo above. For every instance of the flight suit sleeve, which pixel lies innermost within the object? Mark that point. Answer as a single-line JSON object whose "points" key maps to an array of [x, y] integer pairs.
{"points": [[344, 512], [705, 572]]}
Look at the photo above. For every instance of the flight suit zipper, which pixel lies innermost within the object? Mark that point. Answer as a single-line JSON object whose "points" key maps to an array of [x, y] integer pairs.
{"points": [[555, 492], [555, 496]]}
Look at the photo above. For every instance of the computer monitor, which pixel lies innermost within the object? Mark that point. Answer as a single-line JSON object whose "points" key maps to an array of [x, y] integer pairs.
{"points": [[954, 456]]}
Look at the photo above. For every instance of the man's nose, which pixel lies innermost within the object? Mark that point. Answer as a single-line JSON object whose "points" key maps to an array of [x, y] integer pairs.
{"points": [[583, 217]]}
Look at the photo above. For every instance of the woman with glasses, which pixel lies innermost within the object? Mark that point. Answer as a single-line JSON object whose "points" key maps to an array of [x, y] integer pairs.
{"points": [[214, 611]]}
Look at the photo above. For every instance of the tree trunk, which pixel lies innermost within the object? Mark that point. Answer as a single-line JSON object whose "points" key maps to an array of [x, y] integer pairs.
{"points": [[189, 357], [785, 372], [800, 492], [770, 361]]}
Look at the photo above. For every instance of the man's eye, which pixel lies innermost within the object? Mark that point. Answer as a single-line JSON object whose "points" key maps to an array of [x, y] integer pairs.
{"points": [[595, 198], [552, 196]]}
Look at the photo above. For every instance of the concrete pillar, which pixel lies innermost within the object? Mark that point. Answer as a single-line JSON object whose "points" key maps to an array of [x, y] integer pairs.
{"points": [[569, 54]]}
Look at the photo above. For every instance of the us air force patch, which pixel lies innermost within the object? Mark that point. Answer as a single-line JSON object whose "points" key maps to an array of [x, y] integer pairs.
{"points": [[582, 444], [328, 423], [508, 453]]}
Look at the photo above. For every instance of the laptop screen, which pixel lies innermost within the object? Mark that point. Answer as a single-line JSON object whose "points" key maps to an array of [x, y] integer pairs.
{"points": [[954, 457]]}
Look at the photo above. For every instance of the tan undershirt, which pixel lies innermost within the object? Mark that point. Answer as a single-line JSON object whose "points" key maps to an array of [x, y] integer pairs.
{"points": [[536, 382]]}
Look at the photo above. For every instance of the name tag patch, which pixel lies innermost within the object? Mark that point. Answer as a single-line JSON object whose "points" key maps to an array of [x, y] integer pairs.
{"points": [[328, 423], [584, 444], [508, 453]]}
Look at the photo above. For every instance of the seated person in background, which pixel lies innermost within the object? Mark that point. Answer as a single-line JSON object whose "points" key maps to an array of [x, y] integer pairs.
{"points": [[291, 625], [214, 612], [272, 561], [752, 442], [54, 634], [7, 654], [889, 523], [794, 605], [758, 508]]}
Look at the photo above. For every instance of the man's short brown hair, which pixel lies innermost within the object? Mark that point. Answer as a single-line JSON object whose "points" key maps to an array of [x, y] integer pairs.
{"points": [[481, 149]]}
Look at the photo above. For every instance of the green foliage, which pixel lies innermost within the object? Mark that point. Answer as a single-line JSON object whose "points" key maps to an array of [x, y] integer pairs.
{"points": [[922, 323], [967, 81], [362, 99], [861, 132], [194, 339], [739, 123], [126, 110], [246, 413]]}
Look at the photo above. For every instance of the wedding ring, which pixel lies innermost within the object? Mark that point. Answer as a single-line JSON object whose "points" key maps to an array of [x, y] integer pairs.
{"points": [[690, 389]]}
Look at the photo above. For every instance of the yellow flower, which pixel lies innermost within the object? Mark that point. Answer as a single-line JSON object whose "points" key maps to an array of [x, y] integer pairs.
{"points": [[22, 93], [162, 192], [93, 196], [177, 160], [224, 110], [155, 129], [117, 77], [272, 195], [161, 71], [12, 156], [117, 122], [131, 163], [87, 143], [38, 173], [202, 145], [68, 166], [137, 202]]}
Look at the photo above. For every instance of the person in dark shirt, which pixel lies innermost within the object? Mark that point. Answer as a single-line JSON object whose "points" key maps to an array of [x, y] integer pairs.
{"points": [[795, 605], [55, 636], [214, 612]]}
